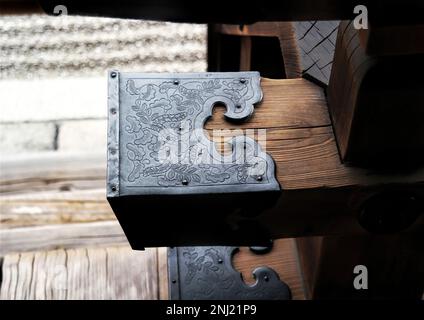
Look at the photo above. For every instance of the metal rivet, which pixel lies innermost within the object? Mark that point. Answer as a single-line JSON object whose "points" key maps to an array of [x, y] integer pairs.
{"points": [[113, 151], [266, 278], [238, 106], [113, 111], [242, 80], [113, 188], [220, 261], [259, 178], [113, 74], [176, 82], [184, 182], [174, 281]]}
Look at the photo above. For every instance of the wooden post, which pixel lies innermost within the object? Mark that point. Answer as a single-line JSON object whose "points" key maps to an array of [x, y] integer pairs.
{"points": [[376, 96], [394, 266], [260, 45]]}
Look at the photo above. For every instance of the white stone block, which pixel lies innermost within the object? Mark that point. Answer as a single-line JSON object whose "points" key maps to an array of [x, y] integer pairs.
{"points": [[83, 135], [26, 137]]}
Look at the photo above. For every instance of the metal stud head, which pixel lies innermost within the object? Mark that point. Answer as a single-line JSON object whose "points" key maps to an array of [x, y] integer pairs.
{"points": [[184, 182], [113, 74]]}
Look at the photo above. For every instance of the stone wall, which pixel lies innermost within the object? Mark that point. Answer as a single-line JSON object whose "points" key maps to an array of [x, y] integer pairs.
{"points": [[53, 74]]}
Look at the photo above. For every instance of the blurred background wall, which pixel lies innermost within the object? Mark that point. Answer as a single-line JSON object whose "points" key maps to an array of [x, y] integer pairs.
{"points": [[59, 239], [53, 74]]}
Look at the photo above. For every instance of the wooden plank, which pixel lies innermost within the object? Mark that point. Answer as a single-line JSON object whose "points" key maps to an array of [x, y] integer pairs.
{"points": [[51, 171], [54, 207], [50, 237], [85, 273], [163, 273], [282, 258]]}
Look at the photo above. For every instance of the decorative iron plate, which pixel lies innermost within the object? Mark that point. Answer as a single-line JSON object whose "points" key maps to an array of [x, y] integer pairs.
{"points": [[156, 141], [207, 273]]}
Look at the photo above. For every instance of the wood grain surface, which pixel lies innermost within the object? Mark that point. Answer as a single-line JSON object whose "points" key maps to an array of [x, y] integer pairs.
{"points": [[282, 259], [115, 272]]}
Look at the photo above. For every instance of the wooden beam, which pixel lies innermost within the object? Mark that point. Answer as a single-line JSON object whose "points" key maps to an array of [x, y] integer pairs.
{"points": [[49, 237], [306, 47], [54, 207], [320, 196], [51, 171], [283, 31], [301, 140]]}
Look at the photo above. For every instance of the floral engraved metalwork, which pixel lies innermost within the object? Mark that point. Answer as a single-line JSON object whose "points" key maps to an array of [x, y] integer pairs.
{"points": [[207, 273], [163, 146]]}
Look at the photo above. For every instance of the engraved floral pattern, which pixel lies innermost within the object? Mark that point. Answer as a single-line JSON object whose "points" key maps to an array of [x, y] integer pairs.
{"points": [[208, 273], [160, 122]]}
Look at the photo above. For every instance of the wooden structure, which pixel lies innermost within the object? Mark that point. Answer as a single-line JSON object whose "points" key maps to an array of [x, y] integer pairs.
{"points": [[60, 239], [364, 134]]}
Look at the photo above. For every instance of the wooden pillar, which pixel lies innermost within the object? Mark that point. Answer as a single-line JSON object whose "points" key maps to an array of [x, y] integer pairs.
{"points": [[376, 95], [269, 47], [376, 103], [394, 264]]}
